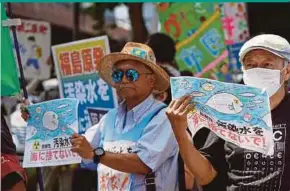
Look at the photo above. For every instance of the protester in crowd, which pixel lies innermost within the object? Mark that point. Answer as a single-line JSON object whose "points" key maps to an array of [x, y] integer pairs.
{"points": [[13, 176], [133, 146], [163, 47], [148, 157], [185, 177], [221, 165], [88, 176]]}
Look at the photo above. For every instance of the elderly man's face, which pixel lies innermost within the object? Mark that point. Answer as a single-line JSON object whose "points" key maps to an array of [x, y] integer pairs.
{"points": [[132, 88], [263, 59]]}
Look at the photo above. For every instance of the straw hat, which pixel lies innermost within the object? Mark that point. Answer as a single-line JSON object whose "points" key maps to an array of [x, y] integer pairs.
{"points": [[134, 51]]}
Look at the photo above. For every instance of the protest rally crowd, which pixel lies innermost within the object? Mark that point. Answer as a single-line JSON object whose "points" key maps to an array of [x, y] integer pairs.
{"points": [[146, 143], [140, 141]]}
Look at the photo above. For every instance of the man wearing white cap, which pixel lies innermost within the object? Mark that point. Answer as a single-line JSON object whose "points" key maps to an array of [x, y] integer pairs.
{"points": [[133, 147], [221, 165]]}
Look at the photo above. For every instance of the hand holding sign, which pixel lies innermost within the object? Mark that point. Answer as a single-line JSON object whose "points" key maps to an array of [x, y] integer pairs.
{"points": [[177, 112], [81, 146], [24, 112]]}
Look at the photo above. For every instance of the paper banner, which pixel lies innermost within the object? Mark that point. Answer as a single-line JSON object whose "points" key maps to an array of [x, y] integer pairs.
{"points": [[34, 39], [236, 113], [48, 134]]}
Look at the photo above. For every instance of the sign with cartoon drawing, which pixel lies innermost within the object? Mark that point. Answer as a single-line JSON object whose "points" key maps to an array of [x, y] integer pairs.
{"points": [[237, 113], [34, 39], [48, 134]]}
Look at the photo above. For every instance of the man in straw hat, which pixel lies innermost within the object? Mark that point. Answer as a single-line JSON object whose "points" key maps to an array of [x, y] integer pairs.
{"points": [[133, 147], [221, 165]]}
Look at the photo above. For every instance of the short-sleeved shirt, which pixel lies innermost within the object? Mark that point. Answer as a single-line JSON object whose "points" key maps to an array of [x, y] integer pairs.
{"points": [[157, 147], [243, 170]]}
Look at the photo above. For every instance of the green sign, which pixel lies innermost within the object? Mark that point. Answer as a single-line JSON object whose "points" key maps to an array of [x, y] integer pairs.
{"points": [[9, 77], [181, 20], [200, 39]]}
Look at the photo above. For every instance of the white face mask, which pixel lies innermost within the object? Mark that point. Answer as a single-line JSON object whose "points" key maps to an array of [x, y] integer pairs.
{"points": [[262, 78]]}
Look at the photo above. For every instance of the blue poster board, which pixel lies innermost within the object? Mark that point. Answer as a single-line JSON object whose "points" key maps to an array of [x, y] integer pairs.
{"points": [[237, 113]]}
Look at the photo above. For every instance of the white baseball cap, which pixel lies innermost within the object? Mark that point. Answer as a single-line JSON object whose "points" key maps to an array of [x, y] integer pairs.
{"points": [[269, 42]]}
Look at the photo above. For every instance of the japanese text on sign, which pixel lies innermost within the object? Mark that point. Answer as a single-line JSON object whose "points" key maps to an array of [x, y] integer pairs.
{"points": [[51, 155], [243, 135], [59, 149], [79, 62], [28, 27], [87, 91], [76, 64]]}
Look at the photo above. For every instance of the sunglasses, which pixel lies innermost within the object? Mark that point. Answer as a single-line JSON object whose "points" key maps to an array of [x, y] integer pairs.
{"points": [[132, 75]]}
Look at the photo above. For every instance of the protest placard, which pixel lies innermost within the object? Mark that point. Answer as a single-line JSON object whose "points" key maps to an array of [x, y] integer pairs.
{"points": [[199, 36], [49, 133], [236, 113], [236, 30], [181, 20], [234, 22], [76, 64], [34, 39]]}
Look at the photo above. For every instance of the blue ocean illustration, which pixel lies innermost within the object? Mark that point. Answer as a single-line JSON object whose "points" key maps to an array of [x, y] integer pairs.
{"points": [[52, 118], [226, 102]]}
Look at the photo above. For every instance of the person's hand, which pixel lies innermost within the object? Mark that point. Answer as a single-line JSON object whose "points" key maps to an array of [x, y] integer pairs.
{"points": [[177, 112], [81, 146], [24, 112]]}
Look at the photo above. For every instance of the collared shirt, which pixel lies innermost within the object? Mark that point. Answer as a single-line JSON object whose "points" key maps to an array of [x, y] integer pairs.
{"points": [[157, 147]]}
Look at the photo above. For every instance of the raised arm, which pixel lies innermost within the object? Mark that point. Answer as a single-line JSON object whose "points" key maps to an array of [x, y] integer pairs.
{"points": [[198, 165]]}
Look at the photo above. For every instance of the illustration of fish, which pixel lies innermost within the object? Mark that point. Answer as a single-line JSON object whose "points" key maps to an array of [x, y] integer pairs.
{"points": [[257, 101], [197, 94], [38, 110], [51, 127], [62, 106], [247, 94], [225, 103], [56, 118], [47, 134], [208, 86], [185, 84], [50, 120], [251, 105]]}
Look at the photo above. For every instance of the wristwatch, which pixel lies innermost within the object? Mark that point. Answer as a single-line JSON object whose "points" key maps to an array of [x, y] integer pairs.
{"points": [[98, 153]]}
